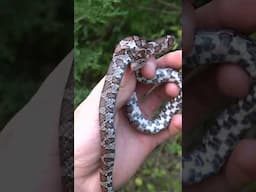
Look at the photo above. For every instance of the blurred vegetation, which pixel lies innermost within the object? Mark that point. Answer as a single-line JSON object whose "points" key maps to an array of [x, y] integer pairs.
{"points": [[99, 25], [161, 172], [35, 37]]}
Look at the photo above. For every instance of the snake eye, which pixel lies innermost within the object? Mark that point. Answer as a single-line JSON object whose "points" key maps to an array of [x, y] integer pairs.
{"points": [[141, 53], [170, 40]]}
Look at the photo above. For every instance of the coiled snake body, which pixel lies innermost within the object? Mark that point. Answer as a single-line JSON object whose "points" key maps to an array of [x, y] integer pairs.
{"points": [[219, 47], [132, 51], [209, 47]]}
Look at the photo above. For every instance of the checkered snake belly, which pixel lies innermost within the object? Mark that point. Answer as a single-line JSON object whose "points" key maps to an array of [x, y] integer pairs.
{"points": [[229, 126], [209, 47]]}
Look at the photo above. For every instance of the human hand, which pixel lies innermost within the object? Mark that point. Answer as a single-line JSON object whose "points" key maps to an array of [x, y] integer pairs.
{"points": [[219, 85], [132, 147]]}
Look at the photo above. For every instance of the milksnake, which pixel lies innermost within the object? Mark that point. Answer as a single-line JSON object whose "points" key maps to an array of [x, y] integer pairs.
{"points": [[132, 51], [212, 47], [209, 47]]}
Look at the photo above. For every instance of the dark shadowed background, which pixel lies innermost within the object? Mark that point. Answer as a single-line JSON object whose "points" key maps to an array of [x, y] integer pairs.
{"points": [[34, 37]]}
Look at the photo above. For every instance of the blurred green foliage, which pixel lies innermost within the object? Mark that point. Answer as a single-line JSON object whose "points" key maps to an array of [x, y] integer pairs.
{"points": [[161, 171], [35, 36], [99, 25]]}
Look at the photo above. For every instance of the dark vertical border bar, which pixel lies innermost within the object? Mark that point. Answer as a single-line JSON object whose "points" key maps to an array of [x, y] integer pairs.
{"points": [[219, 137], [36, 95]]}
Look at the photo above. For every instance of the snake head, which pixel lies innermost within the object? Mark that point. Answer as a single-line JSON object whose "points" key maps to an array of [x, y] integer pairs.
{"points": [[162, 45], [139, 50], [130, 43]]}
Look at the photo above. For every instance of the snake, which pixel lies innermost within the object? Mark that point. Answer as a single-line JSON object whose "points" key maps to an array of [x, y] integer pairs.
{"points": [[133, 52], [230, 125], [209, 47]]}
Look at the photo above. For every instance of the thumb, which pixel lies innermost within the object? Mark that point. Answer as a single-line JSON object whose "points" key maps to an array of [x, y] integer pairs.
{"points": [[127, 86]]}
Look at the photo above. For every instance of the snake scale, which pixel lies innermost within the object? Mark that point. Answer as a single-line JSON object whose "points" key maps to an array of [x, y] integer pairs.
{"points": [[221, 137]]}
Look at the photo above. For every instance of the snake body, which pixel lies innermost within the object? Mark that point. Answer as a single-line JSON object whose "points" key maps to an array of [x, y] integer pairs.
{"points": [[229, 126], [221, 137], [132, 51]]}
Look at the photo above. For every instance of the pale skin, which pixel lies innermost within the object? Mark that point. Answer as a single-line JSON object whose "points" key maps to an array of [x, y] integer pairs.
{"points": [[218, 14], [132, 147]]}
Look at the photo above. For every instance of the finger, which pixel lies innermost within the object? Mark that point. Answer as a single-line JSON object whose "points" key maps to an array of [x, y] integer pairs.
{"points": [[240, 171], [173, 129], [202, 95], [127, 86], [175, 125], [150, 103], [148, 70], [172, 90], [241, 167], [172, 59], [206, 17], [239, 16], [232, 80], [211, 90], [153, 101], [159, 94], [128, 82]]}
